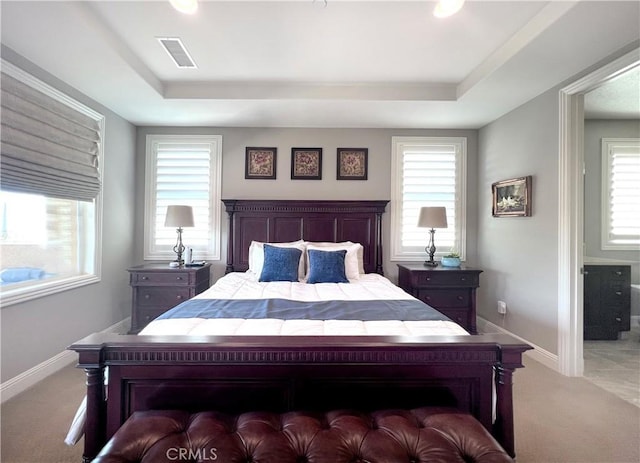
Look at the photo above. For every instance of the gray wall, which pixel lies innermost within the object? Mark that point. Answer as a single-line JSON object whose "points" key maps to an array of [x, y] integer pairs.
{"points": [[36, 330], [519, 255], [378, 185]]}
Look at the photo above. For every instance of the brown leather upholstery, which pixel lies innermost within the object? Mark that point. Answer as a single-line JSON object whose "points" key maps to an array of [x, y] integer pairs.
{"points": [[429, 434]]}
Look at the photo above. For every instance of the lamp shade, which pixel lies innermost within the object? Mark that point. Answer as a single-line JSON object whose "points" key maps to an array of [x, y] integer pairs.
{"points": [[433, 217], [179, 216]]}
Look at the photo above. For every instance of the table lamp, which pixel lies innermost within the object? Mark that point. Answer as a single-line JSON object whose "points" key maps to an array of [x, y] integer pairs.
{"points": [[179, 216], [432, 217]]}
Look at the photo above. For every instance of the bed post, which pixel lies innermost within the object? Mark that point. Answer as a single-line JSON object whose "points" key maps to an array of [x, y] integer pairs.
{"points": [[229, 205], [379, 268], [511, 358], [94, 428]]}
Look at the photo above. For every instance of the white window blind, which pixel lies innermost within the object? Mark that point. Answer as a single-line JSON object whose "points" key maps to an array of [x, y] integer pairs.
{"points": [[620, 194], [427, 171], [183, 170], [50, 143]]}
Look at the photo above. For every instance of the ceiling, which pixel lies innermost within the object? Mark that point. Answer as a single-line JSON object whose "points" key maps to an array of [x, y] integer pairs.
{"points": [[305, 63]]}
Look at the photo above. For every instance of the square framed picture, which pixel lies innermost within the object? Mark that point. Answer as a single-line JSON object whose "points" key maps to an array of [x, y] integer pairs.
{"points": [[260, 163], [512, 198], [306, 163], [352, 163]]}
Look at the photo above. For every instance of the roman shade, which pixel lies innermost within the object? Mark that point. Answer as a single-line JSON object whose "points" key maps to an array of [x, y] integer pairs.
{"points": [[50, 144]]}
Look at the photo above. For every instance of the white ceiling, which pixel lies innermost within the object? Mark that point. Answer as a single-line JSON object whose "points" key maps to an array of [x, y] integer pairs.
{"points": [[305, 63]]}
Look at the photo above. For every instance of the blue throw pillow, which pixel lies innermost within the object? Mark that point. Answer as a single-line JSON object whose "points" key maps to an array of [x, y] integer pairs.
{"points": [[327, 266], [280, 264]]}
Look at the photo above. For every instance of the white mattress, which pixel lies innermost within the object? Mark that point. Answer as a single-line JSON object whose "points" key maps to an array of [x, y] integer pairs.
{"points": [[246, 286]]}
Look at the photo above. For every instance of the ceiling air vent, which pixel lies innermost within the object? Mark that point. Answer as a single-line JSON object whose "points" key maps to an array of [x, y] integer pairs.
{"points": [[177, 52]]}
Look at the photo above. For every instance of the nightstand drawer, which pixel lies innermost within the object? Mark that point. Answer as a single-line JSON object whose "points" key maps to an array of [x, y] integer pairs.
{"points": [[147, 315], [158, 278], [455, 279], [162, 297], [445, 297], [460, 316]]}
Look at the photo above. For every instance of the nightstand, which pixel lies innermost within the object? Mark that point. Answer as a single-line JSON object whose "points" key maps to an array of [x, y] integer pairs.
{"points": [[158, 288], [450, 290]]}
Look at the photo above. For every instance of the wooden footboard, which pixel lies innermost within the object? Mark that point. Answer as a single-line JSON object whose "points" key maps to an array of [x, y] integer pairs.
{"points": [[237, 374]]}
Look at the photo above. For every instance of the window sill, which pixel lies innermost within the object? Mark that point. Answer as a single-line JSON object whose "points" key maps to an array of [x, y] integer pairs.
{"points": [[42, 288]]}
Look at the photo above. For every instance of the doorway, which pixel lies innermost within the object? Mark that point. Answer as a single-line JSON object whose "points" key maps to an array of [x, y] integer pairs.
{"points": [[571, 216]]}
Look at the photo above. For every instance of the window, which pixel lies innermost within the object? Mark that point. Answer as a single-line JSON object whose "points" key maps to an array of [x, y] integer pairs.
{"points": [[620, 194], [183, 170], [427, 171], [50, 201]]}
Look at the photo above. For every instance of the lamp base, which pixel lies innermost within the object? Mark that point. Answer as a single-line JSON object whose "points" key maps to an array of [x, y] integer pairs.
{"points": [[430, 263]]}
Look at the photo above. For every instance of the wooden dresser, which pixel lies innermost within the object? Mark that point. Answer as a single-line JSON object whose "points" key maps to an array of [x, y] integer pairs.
{"points": [[450, 290], [607, 301], [158, 288]]}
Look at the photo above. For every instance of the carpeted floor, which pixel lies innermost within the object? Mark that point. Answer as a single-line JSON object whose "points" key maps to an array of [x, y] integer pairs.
{"points": [[558, 420]]}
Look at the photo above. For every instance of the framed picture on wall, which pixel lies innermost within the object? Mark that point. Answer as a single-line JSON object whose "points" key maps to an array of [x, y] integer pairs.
{"points": [[352, 163], [306, 163], [260, 163], [512, 198]]}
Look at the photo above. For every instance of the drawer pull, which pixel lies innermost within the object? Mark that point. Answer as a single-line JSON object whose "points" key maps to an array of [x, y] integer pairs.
{"points": [[178, 278], [145, 278], [618, 319], [428, 298], [428, 278], [460, 298], [618, 293], [147, 296], [179, 297], [463, 279], [618, 273]]}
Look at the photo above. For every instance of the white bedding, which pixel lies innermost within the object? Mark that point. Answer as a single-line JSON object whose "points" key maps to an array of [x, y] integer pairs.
{"points": [[246, 286]]}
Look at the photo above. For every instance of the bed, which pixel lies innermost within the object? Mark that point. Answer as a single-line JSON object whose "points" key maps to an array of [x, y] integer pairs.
{"points": [[309, 367]]}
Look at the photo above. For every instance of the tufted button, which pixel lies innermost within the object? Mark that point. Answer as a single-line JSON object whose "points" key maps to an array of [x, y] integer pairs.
{"points": [[302, 459]]}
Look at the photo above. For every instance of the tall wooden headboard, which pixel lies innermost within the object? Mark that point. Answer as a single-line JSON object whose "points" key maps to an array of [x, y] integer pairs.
{"points": [[278, 221]]}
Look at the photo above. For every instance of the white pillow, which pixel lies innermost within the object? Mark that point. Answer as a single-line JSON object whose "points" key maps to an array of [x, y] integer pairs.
{"points": [[256, 256], [351, 265]]}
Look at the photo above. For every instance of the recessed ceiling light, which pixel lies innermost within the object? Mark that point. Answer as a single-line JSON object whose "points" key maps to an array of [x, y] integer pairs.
{"points": [[185, 6], [446, 8]]}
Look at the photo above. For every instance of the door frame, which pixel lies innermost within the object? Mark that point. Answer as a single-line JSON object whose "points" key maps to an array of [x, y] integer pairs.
{"points": [[571, 210]]}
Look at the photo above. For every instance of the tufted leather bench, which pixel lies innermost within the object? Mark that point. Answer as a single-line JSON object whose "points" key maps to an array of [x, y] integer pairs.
{"points": [[429, 434]]}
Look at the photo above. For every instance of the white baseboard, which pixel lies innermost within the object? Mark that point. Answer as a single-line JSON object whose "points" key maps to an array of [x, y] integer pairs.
{"points": [[25, 380], [538, 354]]}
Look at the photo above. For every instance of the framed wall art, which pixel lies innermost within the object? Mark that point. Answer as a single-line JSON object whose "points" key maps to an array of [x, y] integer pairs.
{"points": [[306, 163], [260, 163], [352, 163], [512, 198]]}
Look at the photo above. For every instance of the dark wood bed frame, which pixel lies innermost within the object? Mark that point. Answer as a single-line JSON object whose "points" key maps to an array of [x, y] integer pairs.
{"points": [[243, 373]]}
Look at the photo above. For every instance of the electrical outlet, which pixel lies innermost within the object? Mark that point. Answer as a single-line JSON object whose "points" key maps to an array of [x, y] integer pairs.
{"points": [[502, 307]]}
